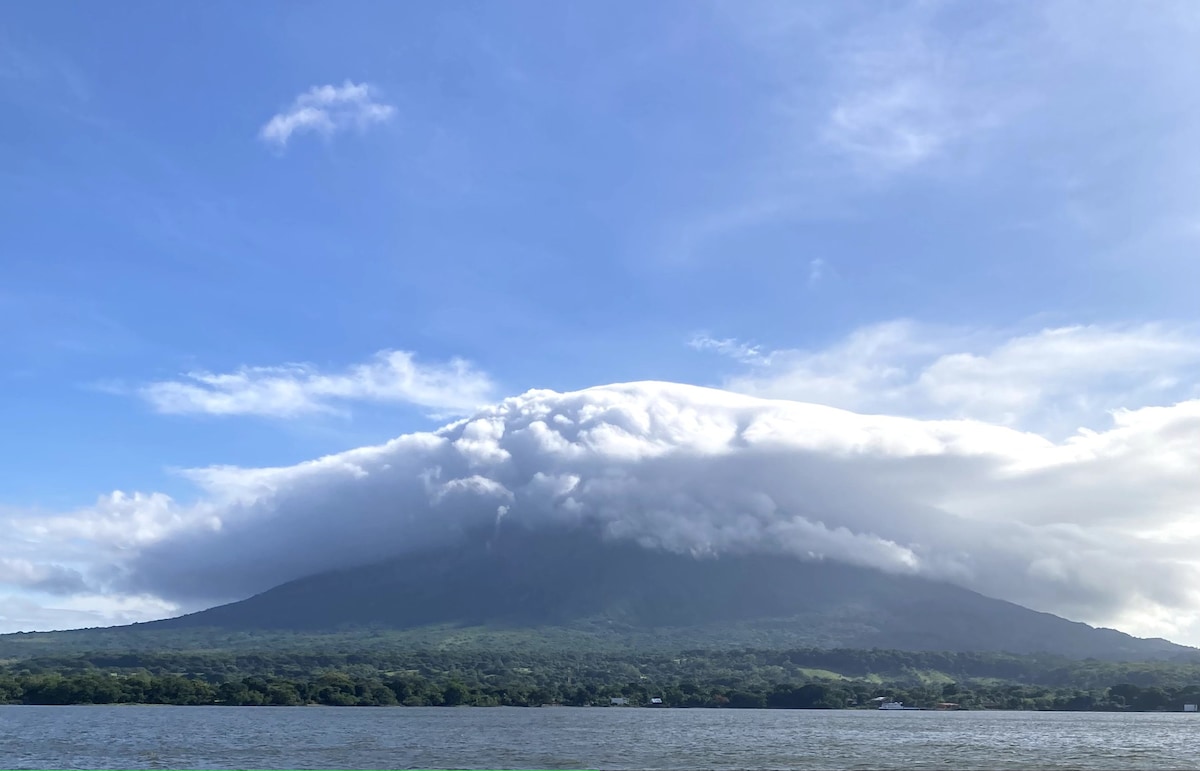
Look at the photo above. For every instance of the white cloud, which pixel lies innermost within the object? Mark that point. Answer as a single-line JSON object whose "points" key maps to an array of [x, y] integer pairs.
{"points": [[892, 126], [1099, 526], [38, 576], [327, 110], [1054, 380], [904, 92], [816, 270], [26, 613], [734, 349], [298, 389]]}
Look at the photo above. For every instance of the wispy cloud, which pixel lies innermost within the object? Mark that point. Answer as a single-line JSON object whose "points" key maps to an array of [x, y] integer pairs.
{"points": [[863, 96], [43, 70], [1052, 380], [326, 110], [731, 347], [816, 271], [891, 127], [298, 389], [902, 94]]}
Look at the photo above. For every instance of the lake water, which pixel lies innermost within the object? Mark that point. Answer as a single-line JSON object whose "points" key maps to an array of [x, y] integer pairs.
{"points": [[597, 738]]}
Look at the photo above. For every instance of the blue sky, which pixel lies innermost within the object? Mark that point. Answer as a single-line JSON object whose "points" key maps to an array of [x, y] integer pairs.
{"points": [[822, 202]]}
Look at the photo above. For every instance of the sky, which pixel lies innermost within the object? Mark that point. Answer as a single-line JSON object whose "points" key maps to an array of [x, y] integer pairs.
{"points": [[292, 286]]}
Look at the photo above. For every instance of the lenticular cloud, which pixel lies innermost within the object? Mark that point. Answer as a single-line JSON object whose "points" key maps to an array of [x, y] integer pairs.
{"points": [[1097, 528]]}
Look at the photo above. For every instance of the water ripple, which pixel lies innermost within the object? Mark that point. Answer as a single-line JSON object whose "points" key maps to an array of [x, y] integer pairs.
{"points": [[605, 739]]}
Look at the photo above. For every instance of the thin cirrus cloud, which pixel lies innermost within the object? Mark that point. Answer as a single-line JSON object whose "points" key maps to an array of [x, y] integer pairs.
{"points": [[907, 86], [817, 268], [891, 127], [301, 389], [327, 110], [734, 349]]}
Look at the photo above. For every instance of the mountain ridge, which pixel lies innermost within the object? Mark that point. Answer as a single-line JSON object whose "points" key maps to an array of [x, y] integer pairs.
{"points": [[519, 579]]}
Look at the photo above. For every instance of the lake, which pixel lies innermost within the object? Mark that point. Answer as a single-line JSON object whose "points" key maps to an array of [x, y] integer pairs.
{"points": [[595, 738]]}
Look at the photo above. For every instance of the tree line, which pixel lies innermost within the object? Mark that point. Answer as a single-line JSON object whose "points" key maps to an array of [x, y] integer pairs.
{"points": [[759, 669], [468, 687]]}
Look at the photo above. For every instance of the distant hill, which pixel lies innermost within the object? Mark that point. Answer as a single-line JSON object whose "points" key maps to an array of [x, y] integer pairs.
{"points": [[607, 591]]}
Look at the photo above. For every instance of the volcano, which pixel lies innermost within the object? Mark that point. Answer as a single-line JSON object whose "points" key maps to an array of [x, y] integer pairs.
{"points": [[523, 579]]}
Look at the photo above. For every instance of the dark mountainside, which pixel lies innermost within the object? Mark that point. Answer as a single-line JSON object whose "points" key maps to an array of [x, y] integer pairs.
{"points": [[521, 579]]}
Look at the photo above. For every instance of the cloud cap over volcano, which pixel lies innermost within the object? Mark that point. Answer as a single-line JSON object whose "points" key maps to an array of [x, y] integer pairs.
{"points": [[1098, 527]]}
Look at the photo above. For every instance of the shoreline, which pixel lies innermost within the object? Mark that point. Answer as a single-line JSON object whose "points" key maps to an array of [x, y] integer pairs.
{"points": [[602, 706]]}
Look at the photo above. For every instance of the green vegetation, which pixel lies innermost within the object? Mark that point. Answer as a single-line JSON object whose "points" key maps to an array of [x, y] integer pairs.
{"points": [[466, 675]]}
